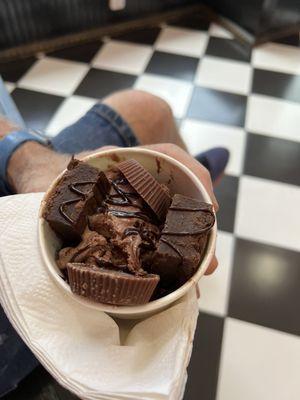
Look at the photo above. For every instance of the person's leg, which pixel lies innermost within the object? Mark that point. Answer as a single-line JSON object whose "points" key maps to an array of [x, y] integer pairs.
{"points": [[127, 118], [146, 117], [16, 360], [152, 120], [149, 116]]}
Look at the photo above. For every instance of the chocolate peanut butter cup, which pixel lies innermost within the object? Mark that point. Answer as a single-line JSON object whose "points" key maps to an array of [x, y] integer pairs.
{"points": [[146, 186], [110, 286]]}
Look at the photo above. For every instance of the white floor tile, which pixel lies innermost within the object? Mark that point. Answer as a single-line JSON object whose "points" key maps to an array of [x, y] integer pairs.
{"points": [[214, 288], [221, 74], [181, 41], [274, 117], [258, 363], [268, 212], [55, 76], [176, 93], [201, 135], [9, 86], [219, 31], [123, 57], [69, 112], [277, 57]]}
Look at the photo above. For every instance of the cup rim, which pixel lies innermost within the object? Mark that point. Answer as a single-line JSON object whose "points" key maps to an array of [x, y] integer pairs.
{"points": [[154, 305]]}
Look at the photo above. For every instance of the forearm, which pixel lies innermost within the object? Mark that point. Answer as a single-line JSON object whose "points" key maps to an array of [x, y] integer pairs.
{"points": [[32, 167]]}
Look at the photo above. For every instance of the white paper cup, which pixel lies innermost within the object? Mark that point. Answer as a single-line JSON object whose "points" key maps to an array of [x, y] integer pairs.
{"points": [[165, 169]]}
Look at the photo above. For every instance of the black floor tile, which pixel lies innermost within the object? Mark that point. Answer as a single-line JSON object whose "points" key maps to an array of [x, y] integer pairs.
{"points": [[226, 194], [273, 158], [83, 52], [192, 22], [173, 65], [276, 84], [98, 83], [292, 40], [228, 48], [39, 385], [13, 71], [36, 108], [204, 364], [216, 106], [141, 36], [265, 286]]}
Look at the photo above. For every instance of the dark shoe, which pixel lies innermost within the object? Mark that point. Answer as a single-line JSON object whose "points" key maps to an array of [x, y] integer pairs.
{"points": [[215, 160]]}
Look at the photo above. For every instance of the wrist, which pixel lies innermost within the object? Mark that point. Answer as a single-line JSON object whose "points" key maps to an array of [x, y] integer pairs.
{"points": [[7, 126], [33, 166], [19, 162]]}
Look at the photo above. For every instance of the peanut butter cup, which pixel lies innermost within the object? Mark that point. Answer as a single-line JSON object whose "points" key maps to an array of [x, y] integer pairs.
{"points": [[111, 286], [146, 186]]}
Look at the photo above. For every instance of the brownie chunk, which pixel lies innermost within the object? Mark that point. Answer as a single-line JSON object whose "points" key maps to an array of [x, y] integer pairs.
{"points": [[75, 197], [183, 240]]}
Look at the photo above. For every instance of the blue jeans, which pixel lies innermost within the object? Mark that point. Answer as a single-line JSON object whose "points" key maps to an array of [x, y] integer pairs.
{"points": [[100, 126]]}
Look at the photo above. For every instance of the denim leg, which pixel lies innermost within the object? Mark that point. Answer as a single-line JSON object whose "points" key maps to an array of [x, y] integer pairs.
{"points": [[16, 360]]}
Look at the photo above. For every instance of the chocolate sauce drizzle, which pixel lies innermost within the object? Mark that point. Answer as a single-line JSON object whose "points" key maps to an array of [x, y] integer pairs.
{"points": [[148, 236], [131, 231], [82, 195], [123, 198], [73, 187]]}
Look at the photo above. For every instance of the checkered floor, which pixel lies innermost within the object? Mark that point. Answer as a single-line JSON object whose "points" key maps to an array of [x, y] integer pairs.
{"points": [[247, 343]]}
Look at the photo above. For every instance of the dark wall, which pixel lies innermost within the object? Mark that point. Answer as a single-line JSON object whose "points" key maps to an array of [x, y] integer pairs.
{"points": [[23, 21], [259, 17], [279, 14], [244, 12]]}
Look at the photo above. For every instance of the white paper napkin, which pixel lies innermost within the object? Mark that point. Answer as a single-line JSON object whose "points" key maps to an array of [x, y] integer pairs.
{"points": [[79, 346]]}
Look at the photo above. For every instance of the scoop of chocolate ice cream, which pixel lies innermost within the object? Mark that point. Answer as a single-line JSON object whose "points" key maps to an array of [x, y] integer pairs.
{"points": [[90, 250]]}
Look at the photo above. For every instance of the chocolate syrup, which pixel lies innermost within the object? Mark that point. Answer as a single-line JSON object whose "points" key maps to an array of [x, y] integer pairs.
{"points": [[124, 198], [73, 188], [62, 211], [131, 231], [147, 236], [129, 214]]}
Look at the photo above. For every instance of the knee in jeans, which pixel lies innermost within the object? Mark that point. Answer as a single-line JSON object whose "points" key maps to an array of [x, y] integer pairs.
{"points": [[142, 105], [155, 106]]}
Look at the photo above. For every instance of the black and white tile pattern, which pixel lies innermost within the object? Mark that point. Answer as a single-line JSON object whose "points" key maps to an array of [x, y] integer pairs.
{"points": [[247, 344]]}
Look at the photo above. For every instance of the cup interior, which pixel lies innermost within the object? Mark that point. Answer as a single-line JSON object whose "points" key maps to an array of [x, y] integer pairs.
{"points": [[166, 170]]}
